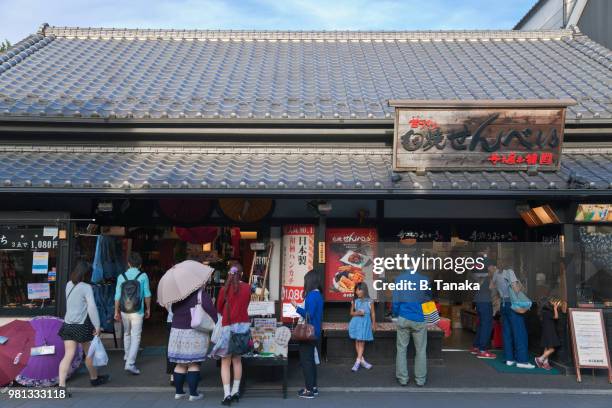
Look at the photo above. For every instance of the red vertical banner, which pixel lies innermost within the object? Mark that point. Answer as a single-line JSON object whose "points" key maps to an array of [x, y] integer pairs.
{"points": [[298, 259], [349, 255]]}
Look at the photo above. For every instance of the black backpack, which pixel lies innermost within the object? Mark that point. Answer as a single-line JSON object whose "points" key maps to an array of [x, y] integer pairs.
{"points": [[131, 295]]}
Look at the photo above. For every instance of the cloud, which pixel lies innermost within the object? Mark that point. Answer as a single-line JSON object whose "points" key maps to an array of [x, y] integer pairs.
{"points": [[20, 18]]}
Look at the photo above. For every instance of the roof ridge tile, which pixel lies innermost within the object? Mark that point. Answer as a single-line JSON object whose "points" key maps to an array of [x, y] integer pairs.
{"points": [[273, 35]]}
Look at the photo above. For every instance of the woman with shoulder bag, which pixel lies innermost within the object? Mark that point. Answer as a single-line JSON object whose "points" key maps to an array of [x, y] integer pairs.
{"points": [[513, 323], [81, 324], [187, 347], [233, 303], [312, 312]]}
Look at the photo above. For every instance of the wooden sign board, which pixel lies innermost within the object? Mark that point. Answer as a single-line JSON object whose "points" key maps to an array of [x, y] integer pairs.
{"points": [[589, 342], [491, 135]]}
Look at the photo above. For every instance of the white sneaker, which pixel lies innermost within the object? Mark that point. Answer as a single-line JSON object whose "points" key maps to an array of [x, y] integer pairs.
{"points": [[525, 365], [366, 365], [133, 370], [180, 396], [510, 363], [196, 397]]}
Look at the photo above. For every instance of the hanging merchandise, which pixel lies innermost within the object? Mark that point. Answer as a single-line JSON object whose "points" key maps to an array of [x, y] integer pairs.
{"points": [[197, 235], [185, 211], [104, 296], [108, 260], [246, 210], [97, 273]]}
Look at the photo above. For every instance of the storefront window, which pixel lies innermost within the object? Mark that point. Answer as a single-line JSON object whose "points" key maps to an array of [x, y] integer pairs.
{"points": [[595, 278], [28, 270]]}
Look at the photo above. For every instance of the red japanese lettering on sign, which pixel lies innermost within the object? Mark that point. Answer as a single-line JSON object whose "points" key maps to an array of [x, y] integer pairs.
{"points": [[418, 123], [530, 159]]}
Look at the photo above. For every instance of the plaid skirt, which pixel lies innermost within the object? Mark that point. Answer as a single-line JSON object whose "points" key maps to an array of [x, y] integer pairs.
{"points": [[187, 346]]}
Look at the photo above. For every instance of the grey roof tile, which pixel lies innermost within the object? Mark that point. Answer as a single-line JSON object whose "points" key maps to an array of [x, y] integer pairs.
{"points": [[117, 73], [329, 169]]}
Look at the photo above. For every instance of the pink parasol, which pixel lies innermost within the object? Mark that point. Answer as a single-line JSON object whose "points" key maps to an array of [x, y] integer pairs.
{"points": [[43, 370], [181, 281], [14, 354]]}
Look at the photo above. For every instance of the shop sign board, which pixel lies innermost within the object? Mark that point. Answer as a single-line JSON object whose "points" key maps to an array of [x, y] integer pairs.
{"points": [[27, 239], [492, 135], [594, 213], [349, 260], [298, 259], [590, 345]]}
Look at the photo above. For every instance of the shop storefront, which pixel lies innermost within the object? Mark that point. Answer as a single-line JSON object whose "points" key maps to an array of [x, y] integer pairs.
{"points": [[328, 186], [34, 260]]}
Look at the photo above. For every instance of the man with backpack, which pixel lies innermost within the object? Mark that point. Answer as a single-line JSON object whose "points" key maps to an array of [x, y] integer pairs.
{"points": [[132, 306]]}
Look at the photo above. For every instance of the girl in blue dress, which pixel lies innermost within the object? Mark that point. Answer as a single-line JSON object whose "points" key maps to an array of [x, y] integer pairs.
{"points": [[363, 323]]}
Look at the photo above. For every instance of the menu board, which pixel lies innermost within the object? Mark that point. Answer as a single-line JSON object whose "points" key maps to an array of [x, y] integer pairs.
{"points": [[260, 308], [590, 345], [349, 258], [263, 332], [298, 259]]}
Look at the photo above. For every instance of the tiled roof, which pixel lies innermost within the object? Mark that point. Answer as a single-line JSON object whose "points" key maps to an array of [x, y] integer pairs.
{"points": [[159, 74], [334, 170]]}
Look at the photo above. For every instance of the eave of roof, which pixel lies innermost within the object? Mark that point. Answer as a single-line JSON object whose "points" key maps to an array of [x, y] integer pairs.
{"points": [[278, 170]]}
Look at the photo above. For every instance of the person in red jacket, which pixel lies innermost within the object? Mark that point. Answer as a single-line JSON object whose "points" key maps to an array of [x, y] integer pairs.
{"points": [[232, 304]]}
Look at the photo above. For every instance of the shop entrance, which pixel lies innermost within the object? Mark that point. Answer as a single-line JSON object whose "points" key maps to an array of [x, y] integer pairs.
{"points": [[161, 247]]}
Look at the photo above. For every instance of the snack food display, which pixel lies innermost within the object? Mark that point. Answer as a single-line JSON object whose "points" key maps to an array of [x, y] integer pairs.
{"points": [[347, 276], [349, 260]]}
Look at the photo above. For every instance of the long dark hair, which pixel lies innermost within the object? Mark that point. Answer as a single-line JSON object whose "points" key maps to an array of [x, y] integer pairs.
{"points": [[233, 277], [312, 281], [364, 288], [80, 273]]}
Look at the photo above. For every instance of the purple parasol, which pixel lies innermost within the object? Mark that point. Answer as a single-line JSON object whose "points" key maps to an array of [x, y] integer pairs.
{"points": [[43, 371]]}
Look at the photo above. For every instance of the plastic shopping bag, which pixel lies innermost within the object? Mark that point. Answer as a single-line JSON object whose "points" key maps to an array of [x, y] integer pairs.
{"points": [[97, 353], [216, 333]]}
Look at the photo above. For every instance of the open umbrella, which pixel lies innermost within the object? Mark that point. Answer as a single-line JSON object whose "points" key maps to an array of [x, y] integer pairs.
{"points": [[181, 281], [43, 370], [14, 354]]}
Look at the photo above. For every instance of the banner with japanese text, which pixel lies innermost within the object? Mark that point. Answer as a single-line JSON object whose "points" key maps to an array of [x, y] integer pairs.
{"points": [[298, 259], [348, 260]]}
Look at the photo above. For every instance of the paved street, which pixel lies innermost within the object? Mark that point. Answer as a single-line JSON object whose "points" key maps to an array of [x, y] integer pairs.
{"points": [[409, 397]]}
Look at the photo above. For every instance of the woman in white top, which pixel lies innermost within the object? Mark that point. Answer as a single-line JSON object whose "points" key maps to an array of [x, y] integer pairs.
{"points": [[81, 323]]}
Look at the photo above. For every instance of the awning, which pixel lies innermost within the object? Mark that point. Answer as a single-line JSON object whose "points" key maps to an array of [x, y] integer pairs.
{"points": [[280, 170]]}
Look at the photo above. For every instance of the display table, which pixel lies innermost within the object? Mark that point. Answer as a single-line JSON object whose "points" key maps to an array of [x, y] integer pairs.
{"points": [[249, 360], [339, 348]]}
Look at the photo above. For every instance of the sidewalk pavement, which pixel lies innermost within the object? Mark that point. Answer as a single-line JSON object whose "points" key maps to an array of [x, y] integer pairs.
{"points": [[326, 399], [459, 371]]}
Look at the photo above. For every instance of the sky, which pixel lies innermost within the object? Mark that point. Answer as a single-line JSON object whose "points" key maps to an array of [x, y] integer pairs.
{"points": [[19, 18]]}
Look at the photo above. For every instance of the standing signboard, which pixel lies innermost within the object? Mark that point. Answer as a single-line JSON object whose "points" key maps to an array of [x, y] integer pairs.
{"points": [[590, 345], [298, 259], [349, 254], [490, 135]]}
